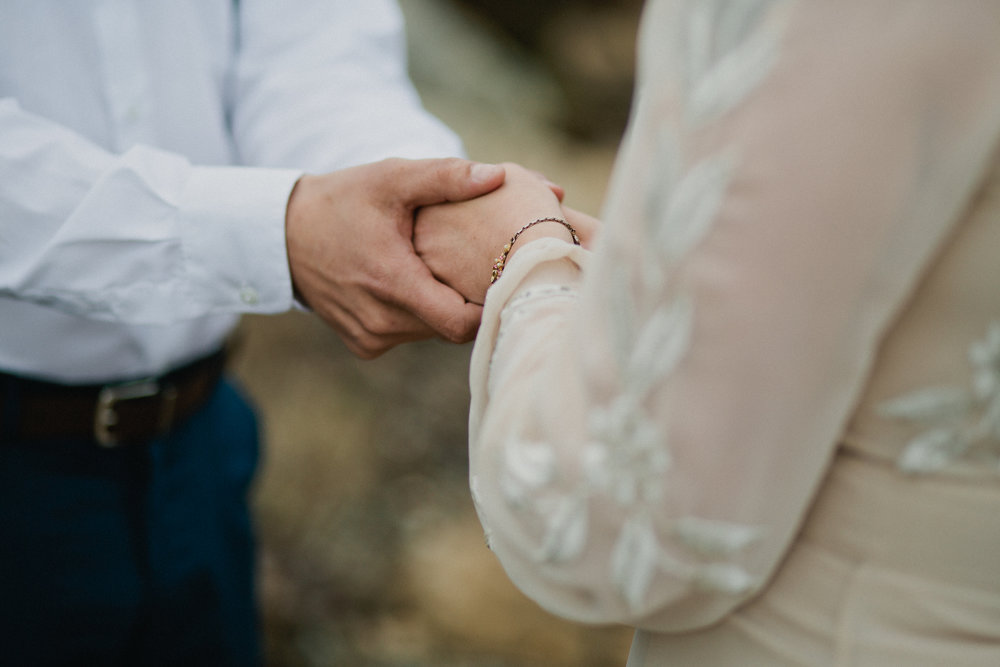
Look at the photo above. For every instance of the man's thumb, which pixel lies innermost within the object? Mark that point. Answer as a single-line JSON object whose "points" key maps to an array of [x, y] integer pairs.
{"points": [[436, 181]]}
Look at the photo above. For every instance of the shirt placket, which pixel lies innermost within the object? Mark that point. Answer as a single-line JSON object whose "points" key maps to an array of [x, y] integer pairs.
{"points": [[125, 75]]}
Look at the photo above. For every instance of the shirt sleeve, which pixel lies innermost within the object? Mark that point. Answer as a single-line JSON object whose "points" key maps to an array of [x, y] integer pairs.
{"points": [[142, 237], [323, 84], [649, 424], [146, 237]]}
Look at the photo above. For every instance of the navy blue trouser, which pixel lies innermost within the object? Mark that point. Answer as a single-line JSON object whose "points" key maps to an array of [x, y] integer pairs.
{"points": [[140, 555]]}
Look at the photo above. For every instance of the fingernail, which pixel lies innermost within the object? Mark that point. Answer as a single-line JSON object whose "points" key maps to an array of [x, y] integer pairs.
{"points": [[481, 172]]}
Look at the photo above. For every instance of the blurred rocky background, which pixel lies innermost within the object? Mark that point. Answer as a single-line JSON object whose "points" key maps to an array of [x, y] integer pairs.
{"points": [[371, 554]]}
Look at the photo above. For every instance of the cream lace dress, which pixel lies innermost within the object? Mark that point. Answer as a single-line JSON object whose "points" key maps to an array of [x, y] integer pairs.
{"points": [[762, 423]]}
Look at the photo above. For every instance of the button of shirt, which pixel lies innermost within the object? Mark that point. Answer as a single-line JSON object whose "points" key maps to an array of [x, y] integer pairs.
{"points": [[249, 296], [133, 113]]}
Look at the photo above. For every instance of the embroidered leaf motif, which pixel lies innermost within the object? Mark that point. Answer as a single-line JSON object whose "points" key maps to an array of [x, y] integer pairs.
{"points": [[724, 578], [731, 48], [931, 404], [963, 420], [930, 451], [984, 355], [622, 312], [566, 528], [661, 344], [664, 172], [526, 466], [634, 560], [627, 457], [715, 538], [694, 206], [989, 425]]}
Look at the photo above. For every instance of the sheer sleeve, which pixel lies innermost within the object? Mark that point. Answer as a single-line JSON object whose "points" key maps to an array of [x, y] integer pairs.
{"points": [[650, 423]]}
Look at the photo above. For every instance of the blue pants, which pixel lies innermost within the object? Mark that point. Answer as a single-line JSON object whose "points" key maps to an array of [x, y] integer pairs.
{"points": [[140, 555]]}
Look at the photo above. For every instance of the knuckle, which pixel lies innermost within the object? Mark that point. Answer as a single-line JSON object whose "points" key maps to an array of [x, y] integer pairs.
{"points": [[367, 353], [451, 167], [394, 163], [380, 287], [380, 325], [454, 163], [367, 346], [361, 338], [456, 330]]}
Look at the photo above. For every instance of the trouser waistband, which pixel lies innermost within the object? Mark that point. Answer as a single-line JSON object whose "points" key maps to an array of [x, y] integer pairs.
{"points": [[109, 414]]}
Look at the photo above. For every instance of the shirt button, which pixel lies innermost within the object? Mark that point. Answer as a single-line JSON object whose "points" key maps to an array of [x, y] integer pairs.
{"points": [[133, 113], [249, 296]]}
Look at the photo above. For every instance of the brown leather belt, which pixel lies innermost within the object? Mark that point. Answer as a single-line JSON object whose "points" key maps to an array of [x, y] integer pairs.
{"points": [[110, 414]]}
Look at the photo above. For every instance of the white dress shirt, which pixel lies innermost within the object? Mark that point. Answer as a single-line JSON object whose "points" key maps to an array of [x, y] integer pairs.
{"points": [[147, 151]]}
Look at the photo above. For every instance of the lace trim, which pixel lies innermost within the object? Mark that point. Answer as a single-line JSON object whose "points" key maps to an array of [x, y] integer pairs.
{"points": [[728, 48], [537, 293], [960, 422]]}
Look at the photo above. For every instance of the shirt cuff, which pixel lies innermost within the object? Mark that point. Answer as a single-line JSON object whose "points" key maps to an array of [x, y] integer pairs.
{"points": [[234, 238]]}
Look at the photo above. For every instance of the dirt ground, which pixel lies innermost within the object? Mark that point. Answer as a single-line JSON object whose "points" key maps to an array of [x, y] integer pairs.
{"points": [[371, 554]]}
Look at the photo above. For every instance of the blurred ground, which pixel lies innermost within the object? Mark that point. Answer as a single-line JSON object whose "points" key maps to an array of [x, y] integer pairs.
{"points": [[371, 554]]}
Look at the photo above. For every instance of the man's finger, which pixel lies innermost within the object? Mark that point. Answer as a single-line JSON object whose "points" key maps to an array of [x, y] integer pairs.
{"points": [[443, 309], [426, 182], [447, 312], [381, 327]]}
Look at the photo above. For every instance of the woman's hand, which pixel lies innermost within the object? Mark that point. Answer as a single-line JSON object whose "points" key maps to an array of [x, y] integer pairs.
{"points": [[459, 242], [586, 226]]}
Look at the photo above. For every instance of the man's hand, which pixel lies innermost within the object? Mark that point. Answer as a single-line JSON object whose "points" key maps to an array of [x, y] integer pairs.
{"points": [[350, 250]]}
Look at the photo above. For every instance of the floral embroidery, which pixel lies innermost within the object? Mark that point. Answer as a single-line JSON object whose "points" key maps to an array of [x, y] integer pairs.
{"points": [[726, 48], [635, 558], [730, 47], [528, 466], [961, 422], [566, 520], [632, 471]]}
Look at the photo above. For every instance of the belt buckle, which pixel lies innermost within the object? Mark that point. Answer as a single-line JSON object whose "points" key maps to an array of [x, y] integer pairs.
{"points": [[106, 412]]}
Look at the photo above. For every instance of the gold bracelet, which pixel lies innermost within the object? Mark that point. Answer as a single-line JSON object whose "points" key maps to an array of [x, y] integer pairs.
{"points": [[500, 261]]}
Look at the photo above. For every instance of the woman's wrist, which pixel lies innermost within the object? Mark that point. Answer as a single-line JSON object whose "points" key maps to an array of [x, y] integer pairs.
{"points": [[541, 232], [549, 227]]}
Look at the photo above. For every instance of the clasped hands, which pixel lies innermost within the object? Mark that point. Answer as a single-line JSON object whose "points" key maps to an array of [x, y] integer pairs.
{"points": [[402, 250]]}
